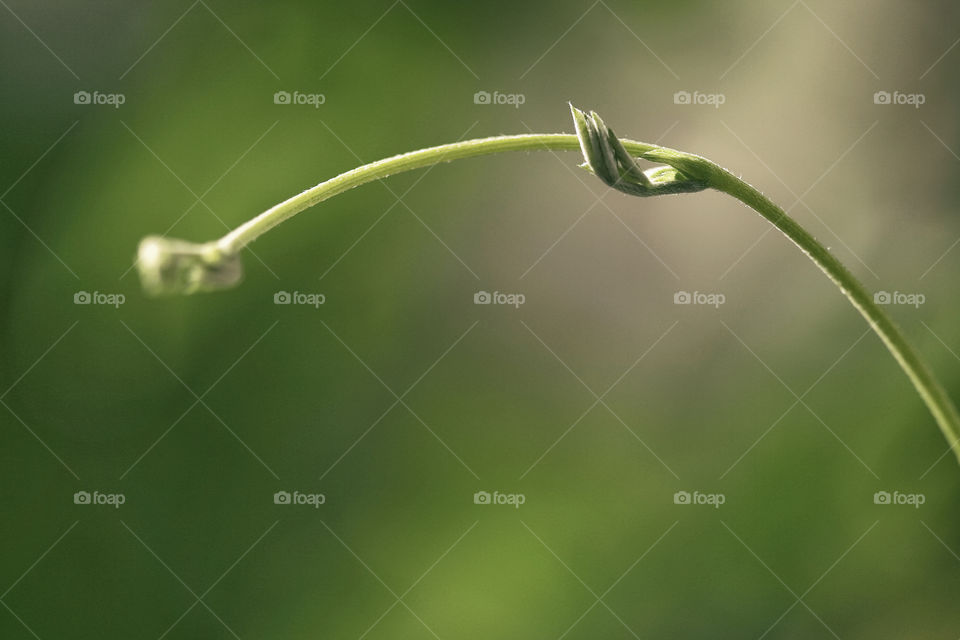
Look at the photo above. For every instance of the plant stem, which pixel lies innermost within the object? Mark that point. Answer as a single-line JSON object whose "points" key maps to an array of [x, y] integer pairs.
{"points": [[923, 379], [252, 229], [174, 266]]}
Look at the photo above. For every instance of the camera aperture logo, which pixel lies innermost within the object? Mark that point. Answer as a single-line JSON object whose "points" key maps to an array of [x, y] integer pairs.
{"points": [[895, 497], [911, 99], [297, 498], [512, 499], [898, 297], [497, 297], [485, 97], [687, 497], [111, 299], [296, 97], [96, 498], [310, 299], [698, 98], [96, 98], [699, 298]]}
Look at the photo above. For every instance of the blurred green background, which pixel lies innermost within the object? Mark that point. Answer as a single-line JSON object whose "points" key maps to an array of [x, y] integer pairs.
{"points": [[399, 399]]}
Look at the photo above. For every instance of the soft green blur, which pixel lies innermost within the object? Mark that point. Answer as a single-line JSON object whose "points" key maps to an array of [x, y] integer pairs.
{"points": [[398, 398]]}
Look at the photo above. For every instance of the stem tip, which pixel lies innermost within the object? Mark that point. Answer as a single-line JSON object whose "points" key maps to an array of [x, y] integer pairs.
{"points": [[169, 266]]}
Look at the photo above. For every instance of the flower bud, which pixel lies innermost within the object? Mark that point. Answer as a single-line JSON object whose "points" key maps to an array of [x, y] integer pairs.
{"points": [[170, 266]]}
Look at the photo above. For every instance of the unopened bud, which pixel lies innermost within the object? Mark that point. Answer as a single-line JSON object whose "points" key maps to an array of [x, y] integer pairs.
{"points": [[169, 266]]}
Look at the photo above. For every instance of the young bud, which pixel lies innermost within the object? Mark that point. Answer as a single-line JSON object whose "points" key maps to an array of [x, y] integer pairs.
{"points": [[607, 158], [169, 266]]}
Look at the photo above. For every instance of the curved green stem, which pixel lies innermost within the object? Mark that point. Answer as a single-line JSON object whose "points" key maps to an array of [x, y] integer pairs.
{"points": [[175, 266], [252, 229], [923, 379]]}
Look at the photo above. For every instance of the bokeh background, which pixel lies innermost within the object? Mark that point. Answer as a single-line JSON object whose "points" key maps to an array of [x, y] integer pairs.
{"points": [[399, 398]]}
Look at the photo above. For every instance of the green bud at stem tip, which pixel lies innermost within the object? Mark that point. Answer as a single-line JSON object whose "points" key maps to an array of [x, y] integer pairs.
{"points": [[168, 266]]}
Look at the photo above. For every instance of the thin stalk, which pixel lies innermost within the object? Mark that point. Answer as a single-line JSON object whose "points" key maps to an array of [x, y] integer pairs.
{"points": [[252, 229], [175, 266], [922, 377]]}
